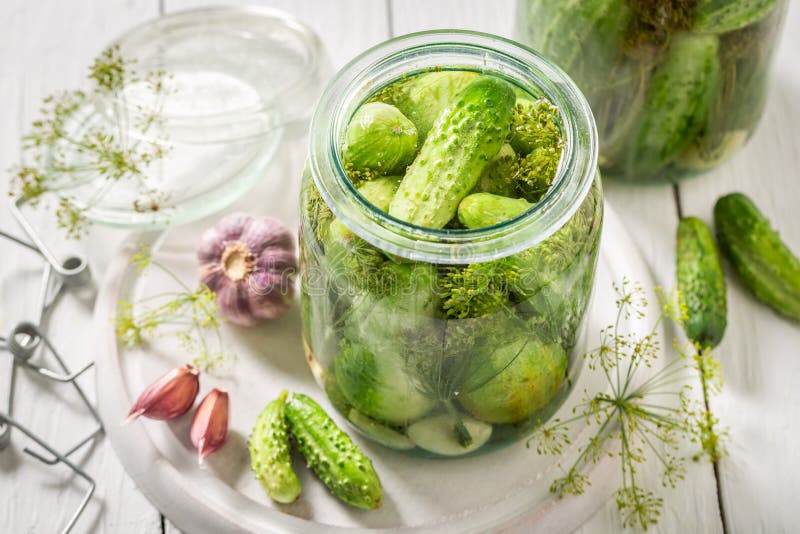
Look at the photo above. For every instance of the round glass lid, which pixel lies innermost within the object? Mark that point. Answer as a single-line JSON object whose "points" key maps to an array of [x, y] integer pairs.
{"points": [[202, 107]]}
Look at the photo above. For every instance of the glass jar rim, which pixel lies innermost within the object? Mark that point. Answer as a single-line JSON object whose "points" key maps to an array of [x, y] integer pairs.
{"points": [[189, 19], [356, 80]]}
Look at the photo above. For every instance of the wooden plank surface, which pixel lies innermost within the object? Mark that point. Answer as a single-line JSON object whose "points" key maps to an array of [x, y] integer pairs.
{"points": [[761, 350], [46, 46], [762, 366]]}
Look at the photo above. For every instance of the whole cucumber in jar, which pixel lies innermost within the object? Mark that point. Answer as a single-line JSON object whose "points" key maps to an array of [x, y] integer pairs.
{"points": [[677, 104]]}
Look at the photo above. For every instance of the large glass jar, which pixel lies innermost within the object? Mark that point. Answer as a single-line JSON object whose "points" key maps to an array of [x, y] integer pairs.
{"points": [[676, 86], [379, 336]]}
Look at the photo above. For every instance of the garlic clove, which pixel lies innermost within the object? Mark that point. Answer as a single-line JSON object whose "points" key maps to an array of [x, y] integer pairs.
{"points": [[210, 424], [168, 397]]}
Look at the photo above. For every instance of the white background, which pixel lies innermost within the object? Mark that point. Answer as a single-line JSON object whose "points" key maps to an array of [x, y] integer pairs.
{"points": [[46, 45]]}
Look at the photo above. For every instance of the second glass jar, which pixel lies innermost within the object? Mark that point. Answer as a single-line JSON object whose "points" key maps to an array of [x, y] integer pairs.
{"points": [[676, 86]]}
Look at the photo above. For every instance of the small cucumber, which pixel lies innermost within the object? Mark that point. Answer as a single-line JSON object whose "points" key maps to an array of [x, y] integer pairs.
{"points": [[437, 434], [462, 142], [701, 284], [485, 209], [764, 262], [422, 98], [377, 384], [344, 249], [338, 462], [381, 433], [722, 16], [380, 191], [269, 453], [677, 103], [524, 376], [380, 138]]}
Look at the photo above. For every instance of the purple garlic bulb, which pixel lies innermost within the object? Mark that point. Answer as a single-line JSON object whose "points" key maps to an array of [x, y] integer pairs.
{"points": [[250, 263]]}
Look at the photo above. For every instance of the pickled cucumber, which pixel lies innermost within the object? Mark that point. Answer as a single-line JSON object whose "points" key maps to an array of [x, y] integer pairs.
{"points": [[462, 142], [528, 376], [377, 385], [677, 103], [422, 98], [722, 16], [484, 209], [380, 138]]}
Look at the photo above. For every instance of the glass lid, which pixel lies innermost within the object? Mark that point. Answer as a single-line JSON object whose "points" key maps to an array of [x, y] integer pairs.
{"points": [[205, 99]]}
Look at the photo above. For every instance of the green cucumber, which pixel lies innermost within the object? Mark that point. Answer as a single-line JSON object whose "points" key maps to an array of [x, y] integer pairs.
{"points": [[528, 374], [722, 16], [677, 104], [462, 142], [384, 435], [269, 453], [701, 284], [485, 209], [380, 138], [583, 37], [348, 256], [438, 434], [380, 191], [376, 383], [338, 462], [761, 259], [423, 97]]}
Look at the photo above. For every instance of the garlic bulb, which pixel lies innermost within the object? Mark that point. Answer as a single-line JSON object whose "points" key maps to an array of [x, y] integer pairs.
{"points": [[249, 262]]}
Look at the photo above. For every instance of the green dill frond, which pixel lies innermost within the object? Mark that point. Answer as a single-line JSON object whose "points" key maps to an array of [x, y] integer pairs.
{"points": [[535, 125], [359, 176], [639, 508], [111, 152], [195, 312], [478, 289], [649, 417], [71, 218], [318, 213], [538, 142], [573, 483], [110, 72], [28, 183], [552, 439], [143, 257], [533, 174]]}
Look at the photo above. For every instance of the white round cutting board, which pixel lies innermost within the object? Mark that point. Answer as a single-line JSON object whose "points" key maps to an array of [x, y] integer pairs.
{"points": [[505, 490]]}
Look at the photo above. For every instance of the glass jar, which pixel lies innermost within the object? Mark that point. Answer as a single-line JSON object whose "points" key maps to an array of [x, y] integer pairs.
{"points": [[378, 335], [676, 86]]}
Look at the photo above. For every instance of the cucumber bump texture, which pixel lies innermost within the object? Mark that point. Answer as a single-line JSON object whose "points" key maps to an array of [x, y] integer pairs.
{"points": [[761, 259], [269, 453], [461, 143], [331, 454], [701, 284]]}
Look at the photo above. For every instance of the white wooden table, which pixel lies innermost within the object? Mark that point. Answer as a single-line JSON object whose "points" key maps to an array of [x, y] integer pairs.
{"points": [[46, 45]]}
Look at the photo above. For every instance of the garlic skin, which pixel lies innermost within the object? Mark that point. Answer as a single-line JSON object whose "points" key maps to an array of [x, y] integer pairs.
{"points": [[210, 424], [168, 397], [250, 263]]}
